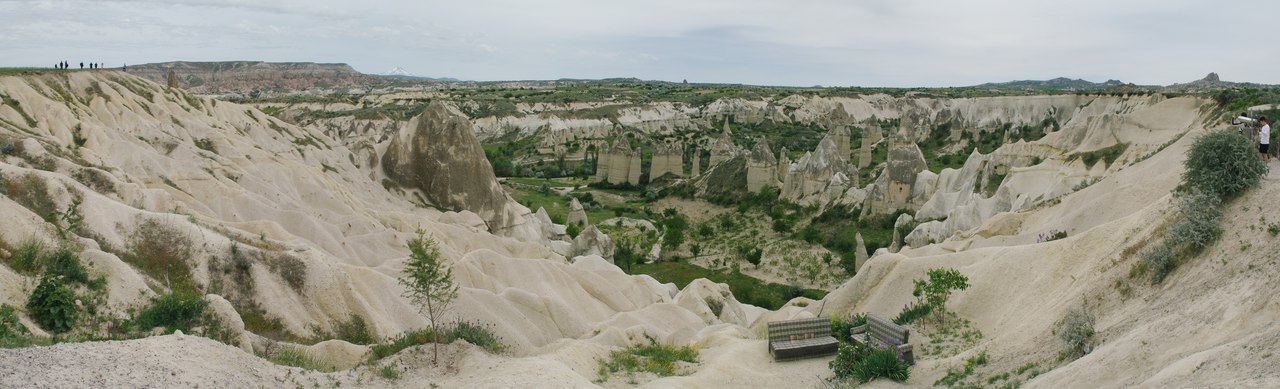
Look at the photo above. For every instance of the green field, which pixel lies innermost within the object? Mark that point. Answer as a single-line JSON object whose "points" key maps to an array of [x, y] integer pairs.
{"points": [[745, 288], [22, 71]]}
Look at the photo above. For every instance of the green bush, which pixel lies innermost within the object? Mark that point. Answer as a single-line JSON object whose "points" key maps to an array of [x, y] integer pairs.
{"points": [[174, 311], [1076, 330], [354, 330], [1199, 223], [52, 305], [7, 145], [865, 363], [1159, 260], [937, 289], [66, 264], [841, 327], [1223, 163], [12, 332], [477, 334]]}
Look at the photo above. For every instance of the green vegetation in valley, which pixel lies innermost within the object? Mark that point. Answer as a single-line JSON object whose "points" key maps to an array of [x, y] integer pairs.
{"points": [[746, 289]]}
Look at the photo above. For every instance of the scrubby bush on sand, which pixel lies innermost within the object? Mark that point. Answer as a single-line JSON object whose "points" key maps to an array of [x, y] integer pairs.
{"points": [[1223, 163], [1076, 330]]}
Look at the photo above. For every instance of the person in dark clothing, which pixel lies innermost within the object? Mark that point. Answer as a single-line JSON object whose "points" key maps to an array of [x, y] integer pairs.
{"points": [[82, 66]]}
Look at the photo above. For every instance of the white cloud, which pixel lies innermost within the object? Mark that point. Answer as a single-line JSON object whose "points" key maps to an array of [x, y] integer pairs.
{"points": [[804, 42]]}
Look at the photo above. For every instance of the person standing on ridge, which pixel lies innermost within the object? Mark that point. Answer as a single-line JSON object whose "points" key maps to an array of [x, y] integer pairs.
{"points": [[1264, 139], [82, 66]]}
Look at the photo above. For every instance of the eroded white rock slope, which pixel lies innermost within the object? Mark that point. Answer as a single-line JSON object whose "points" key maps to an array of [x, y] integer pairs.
{"points": [[282, 190]]}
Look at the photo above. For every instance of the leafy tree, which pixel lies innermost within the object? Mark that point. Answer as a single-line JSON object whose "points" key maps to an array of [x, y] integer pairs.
{"points": [[624, 253], [937, 289], [429, 284], [673, 233], [695, 249]]}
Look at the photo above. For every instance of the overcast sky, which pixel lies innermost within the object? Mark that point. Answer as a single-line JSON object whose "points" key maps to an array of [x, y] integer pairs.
{"points": [[780, 42]]}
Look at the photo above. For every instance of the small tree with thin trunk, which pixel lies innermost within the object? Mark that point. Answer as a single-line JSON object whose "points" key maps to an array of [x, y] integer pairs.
{"points": [[429, 284]]}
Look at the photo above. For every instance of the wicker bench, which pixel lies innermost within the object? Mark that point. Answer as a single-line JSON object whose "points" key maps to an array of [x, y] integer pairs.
{"points": [[880, 332], [793, 339]]}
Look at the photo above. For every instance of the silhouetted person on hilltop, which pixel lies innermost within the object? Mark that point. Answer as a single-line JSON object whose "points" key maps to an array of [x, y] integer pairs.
{"points": [[82, 66]]}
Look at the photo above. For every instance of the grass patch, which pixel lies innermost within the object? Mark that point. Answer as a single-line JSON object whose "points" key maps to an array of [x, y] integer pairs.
{"points": [[557, 206], [9, 101], [1108, 154], [25, 259], [31, 192], [95, 179], [958, 376], [257, 321], [354, 330], [161, 252], [293, 356], [174, 311], [653, 358], [390, 372], [205, 144], [477, 334], [12, 333], [747, 289]]}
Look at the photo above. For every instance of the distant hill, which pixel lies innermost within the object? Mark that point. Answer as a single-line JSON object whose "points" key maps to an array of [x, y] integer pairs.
{"points": [[1060, 83], [247, 76], [1212, 81]]}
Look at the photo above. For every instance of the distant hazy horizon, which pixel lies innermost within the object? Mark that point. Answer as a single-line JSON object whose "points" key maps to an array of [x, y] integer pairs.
{"points": [[830, 43]]}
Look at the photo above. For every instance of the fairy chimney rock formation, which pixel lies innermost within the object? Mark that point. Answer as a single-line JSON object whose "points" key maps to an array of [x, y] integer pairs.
{"points": [[784, 165], [723, 149], [617, 163], [666, 160], [841, 136], [697, 164], [577, 214], [633, 169], [762, 167], [438, 154], [860, 253], [870, 135], [896, 183]]}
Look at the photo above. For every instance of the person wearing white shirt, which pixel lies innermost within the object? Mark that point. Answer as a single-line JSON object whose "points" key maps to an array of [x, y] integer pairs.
{"points": [[1264, 139]]}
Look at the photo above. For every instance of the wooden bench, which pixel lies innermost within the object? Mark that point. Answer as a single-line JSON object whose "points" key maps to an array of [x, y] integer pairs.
{"points": [[793, 339], [881, 332]]}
